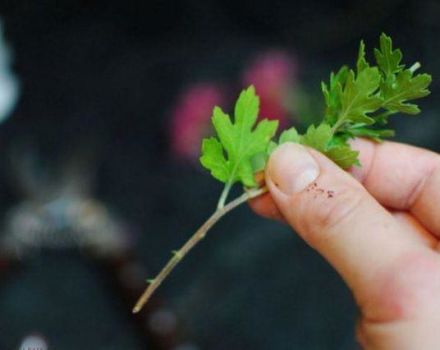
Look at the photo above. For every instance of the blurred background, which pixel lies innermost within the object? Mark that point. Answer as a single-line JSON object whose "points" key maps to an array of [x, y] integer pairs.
{"points": [[103, 107]]}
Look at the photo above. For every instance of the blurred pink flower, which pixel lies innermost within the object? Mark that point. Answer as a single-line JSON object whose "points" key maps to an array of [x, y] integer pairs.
{"points": [[190, 120], [272, 73]]}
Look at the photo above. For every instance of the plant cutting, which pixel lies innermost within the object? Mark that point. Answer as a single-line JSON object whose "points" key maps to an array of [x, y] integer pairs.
{"points": [[358, 103]]}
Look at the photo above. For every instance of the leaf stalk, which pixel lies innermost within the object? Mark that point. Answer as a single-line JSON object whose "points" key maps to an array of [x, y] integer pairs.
{"points": [[224, 195]]}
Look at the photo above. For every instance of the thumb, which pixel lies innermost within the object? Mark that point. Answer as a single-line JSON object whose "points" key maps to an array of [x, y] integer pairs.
{"points": [[332, 212]]}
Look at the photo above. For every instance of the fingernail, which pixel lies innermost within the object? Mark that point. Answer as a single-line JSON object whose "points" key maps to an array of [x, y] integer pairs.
{"points": [[292, 168]]}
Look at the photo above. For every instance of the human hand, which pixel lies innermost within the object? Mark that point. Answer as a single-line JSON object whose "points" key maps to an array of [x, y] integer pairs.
{"points": [[379, 227]]}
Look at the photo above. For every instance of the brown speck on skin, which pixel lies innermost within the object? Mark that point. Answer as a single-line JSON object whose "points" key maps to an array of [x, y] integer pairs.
{"points": [[318, 190], [311, 186]]}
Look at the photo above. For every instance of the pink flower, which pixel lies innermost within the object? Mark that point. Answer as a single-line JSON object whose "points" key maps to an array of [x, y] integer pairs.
{"points": [[191, 118], [273, 74]]}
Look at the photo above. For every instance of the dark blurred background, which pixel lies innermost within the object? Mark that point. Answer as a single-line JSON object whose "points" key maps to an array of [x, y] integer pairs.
{"points": [[97, 120]]}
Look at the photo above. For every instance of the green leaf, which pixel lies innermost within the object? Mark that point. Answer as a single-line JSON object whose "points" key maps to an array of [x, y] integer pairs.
{"points": [[247, 108], [332, 94], [318, 137], [230, 158], [388, 59], [213, 159], [335, 148], [361, 61], [359, 98], [382, 118], [259, 161], [290, 135], [343, 155], [272, 146], [406, 87], [374, 134], [399, 85]]}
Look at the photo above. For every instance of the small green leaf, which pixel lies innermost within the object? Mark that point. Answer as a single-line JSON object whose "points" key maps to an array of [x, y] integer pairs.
{"points": [[333, 93], [230, 158], [318, 137], [290, 135], [388, 59], [259, 161], [359, 98], [374, 134], [382, 118], [398, 85], [213, 159], [272, 146], [343, 155], [405, 88], [361, 61]]}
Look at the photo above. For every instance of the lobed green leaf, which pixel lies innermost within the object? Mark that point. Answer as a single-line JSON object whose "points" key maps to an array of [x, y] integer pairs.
{"points": [[231, 158]]}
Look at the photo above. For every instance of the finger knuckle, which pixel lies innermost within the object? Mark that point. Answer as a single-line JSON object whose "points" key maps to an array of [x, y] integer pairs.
{"points": [[409, 288]]}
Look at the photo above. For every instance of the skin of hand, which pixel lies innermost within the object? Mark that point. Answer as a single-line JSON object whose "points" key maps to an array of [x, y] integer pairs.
{"points": [[378, 225]]}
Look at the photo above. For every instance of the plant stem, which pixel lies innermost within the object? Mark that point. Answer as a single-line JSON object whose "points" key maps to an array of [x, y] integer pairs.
{"points": [[224, 195], [414, 67], [195, 238]]}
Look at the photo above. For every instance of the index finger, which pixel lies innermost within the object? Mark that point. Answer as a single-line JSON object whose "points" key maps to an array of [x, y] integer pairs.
{"points": [[402, 177]]}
